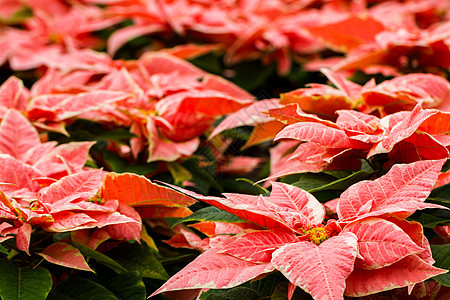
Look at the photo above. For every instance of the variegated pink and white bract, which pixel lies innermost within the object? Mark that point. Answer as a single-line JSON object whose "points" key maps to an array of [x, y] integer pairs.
{"points": [[369, 249], [46, 186]]}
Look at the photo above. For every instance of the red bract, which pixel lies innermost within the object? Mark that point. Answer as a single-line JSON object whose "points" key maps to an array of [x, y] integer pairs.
{"points": [[362, 253]]}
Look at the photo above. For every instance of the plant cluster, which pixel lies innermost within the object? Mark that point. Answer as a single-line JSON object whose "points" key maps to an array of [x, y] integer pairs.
{"points": [[134, 136]]}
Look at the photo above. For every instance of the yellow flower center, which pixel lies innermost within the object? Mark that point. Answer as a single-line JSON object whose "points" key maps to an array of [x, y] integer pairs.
{"points": [[317, 235]]}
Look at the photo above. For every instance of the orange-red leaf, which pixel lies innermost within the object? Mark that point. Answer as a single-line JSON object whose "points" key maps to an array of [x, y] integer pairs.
{"points": [[132, 189]]}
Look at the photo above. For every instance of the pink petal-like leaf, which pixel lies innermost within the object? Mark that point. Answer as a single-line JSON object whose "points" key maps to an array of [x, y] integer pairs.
{"points": [[381, 243], [13, 94], [164, 63], [188, 239], [402, 190], [17, 134], [65, 255], [91, 238], [319, 99], [404, 92], [246, 207], [308, 157], [258, 246], [409, 270], [250, 115], [358, 122], [23, 237], [69, 221], [65, 158], [351, 89], [292, 113], [207, 102], [213, 228], [403, 130], [17, 175], [128, 230], [419, 146], [295, 206], [214, 271], [88, 101], [316, 133], [319, 270], [81, 186], [111, 218], [123, 35], [217, 83], [263, 132], [165, 150], [33, 154], [415, 231]]}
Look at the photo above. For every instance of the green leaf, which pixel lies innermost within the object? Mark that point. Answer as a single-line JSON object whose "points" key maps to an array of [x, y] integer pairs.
{"points": [[114, 161], [281, 293], [23, 283], [441, 254], [440, 201], [77, 288], [251, 75], [441, 192], [208, 62], [343, 183], [19, 16], [241, 293], [260, 188], [116, 134], [120, 165], [267, 285], [141, 169], [311, 181], [128, 286], [210, 213], [238, 133], [433, 220], [178, 172], [139, 258], [318, 182], [177, 259], [86, 130], [4, 250], [203, 177], [100, 258]]}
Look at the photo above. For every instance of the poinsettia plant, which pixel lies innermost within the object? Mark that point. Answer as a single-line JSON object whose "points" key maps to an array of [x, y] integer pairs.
{"points": [[370, 248], [47, 191], [118, 116]]}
